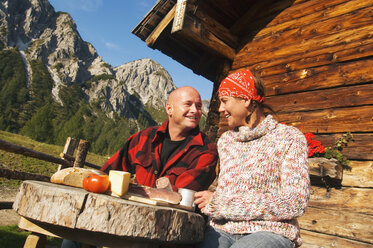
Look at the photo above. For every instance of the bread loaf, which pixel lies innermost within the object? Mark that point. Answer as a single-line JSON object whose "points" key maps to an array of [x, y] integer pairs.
{"points": [[72, 176]]}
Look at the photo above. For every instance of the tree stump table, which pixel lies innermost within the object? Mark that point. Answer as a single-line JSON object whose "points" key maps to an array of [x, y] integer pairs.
{"points": [[102, 220]]}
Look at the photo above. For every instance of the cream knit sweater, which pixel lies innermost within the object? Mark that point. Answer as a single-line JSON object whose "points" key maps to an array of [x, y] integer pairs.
{"points": [[263, 182]]}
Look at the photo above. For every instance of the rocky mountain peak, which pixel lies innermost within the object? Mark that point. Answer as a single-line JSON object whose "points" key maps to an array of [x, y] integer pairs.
{"points": [[41, 33]]}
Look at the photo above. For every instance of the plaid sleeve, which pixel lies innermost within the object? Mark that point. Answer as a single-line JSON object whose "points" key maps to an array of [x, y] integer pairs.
{"points": [[120, 160]]}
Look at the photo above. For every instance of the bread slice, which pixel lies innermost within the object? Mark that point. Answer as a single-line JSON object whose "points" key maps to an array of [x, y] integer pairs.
{"points": [[72, 176]]}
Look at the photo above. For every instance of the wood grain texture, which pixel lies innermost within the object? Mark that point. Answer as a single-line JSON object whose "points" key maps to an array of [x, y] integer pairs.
{"points": [[78, 209], [339, 120], [81, 153], [359, 148], [358, 95], [321, 77], [360, 175], [345, 224], [50, 203], [322, 167], [320, 240], [323, 37], [357, 200]]}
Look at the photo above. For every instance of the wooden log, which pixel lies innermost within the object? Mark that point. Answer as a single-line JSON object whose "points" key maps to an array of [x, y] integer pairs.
{"points": [[156, 224], [81, 154], [343, 223], [214, 25], [195, 31], [153, 37], [310, 12], [320, 240], [357, 200], [35, 240], [364, 51], [322, 77], [241, 25], [20, 175], [70, 146], [318, 47], [76, 208], [68, 149], [72, 159], [354, 119], [351, 96], [357, 17], [50, 203], [6, 146], [311, 53], [359, 148], [325, 171], [147, 25], [360, 175]]}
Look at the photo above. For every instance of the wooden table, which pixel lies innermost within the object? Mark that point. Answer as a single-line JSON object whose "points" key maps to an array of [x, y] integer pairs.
{"points": [[102, 220]]}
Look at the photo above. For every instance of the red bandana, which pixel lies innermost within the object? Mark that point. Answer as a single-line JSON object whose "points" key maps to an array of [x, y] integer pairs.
{"points": [[240, 84]]}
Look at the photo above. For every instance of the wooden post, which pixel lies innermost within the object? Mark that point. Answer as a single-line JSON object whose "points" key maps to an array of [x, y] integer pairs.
{"points": [[81, 153], [69, 149], [72, 159], [35, 240]]}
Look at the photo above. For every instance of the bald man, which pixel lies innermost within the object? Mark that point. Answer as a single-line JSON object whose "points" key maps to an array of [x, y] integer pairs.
{"points": [[177, 149]]}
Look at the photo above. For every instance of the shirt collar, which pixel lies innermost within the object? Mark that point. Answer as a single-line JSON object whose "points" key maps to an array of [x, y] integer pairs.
{"points": [[195, 134]]}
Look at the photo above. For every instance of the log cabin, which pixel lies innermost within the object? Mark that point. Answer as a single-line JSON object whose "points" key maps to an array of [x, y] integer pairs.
{"points": [[315, 58]]}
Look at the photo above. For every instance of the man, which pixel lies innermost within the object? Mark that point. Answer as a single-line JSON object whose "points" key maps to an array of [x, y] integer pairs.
{"points": [[176, 149]]}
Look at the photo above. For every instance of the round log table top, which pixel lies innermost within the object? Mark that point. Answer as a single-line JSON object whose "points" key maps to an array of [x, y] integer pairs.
{"points": [[77, 209]]}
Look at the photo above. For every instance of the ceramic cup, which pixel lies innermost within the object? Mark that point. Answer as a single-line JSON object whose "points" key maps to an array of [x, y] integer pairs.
{"points": [[187, 197]]}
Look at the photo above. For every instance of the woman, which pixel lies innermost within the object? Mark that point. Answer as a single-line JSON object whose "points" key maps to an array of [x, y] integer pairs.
{"points": [[263, 185]]}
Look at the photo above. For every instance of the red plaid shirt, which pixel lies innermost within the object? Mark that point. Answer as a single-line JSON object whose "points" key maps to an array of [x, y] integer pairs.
{"points": [[191, 165]]}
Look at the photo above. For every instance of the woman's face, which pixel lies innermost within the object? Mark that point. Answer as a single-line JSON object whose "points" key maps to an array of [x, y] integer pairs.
{"points": [[235, 110]]}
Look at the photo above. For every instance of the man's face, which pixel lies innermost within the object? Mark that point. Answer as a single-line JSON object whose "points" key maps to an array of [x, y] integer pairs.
{"points": [[185, 110]]}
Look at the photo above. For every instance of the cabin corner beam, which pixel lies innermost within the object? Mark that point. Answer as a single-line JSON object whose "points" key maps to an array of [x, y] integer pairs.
{"points": [[194, 30], [152, 38]]}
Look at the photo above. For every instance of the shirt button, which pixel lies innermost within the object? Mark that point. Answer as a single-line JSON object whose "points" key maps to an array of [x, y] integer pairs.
{"points": [[156, 172]]}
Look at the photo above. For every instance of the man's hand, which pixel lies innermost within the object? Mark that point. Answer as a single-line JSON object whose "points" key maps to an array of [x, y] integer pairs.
{"points": [[202, 198]]}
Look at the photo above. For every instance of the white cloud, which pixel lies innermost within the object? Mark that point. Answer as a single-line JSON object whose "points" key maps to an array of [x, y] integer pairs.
{"points": [[111, 45], [85, 5]]}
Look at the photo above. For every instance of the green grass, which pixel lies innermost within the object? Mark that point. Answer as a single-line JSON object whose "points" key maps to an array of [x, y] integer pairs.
{"points": [[14, 237], [23, 163]]}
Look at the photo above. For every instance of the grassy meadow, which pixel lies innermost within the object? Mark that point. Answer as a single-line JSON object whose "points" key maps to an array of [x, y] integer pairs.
{"points": [[23, 163], [12, 236]]}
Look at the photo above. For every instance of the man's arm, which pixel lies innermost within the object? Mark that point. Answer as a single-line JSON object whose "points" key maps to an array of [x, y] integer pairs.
{"points": [[120, 160]]}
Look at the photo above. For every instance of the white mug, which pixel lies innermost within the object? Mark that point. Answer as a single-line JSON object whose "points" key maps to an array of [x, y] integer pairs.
{"points": [[187, 197]]}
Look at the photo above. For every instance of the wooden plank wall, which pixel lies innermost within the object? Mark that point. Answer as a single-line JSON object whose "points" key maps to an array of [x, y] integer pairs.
{"points": [[316, 60]]}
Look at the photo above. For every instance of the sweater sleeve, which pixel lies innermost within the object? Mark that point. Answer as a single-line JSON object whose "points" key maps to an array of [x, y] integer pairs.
{"points": [[288, 202]]}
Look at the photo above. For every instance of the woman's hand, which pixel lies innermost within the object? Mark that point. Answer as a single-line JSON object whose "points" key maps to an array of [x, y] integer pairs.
{"points": [[202, 198]]}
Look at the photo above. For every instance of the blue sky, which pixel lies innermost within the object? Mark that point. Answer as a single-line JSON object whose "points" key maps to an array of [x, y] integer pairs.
{"points": [[107, 25]]}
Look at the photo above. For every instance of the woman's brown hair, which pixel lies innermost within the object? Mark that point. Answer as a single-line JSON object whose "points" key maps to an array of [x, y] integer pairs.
{"points": [[261, 91]]}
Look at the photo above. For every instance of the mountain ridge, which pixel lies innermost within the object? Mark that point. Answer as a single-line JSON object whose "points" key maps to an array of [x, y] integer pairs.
{"points": [[54, 85], [52, 37]]}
